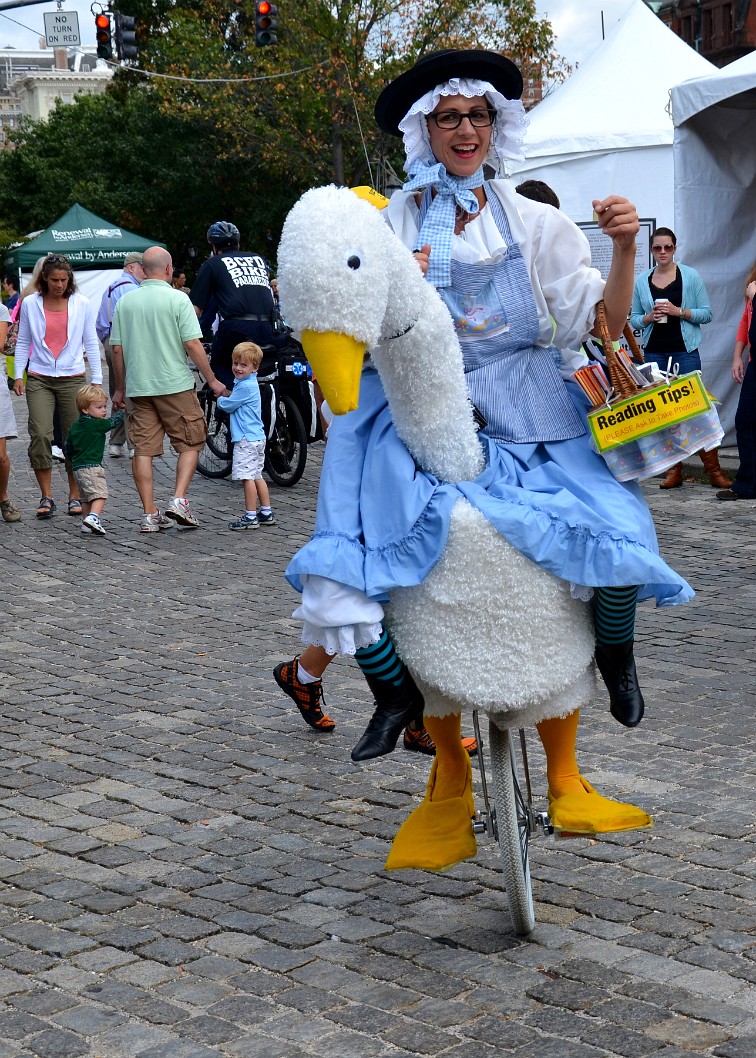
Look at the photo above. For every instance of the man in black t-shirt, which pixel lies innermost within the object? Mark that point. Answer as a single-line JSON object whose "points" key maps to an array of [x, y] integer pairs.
{"points": [[240, 284]]}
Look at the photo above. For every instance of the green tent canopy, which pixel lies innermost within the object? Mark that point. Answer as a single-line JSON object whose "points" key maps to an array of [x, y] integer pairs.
{"points": [[87, 241]]}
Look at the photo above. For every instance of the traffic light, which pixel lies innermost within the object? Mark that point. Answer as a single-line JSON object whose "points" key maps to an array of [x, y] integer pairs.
{"points": [[103, 36], [125, 36], [266, 23]]}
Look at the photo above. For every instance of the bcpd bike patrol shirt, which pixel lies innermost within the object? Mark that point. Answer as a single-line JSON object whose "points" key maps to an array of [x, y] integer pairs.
{"points": [[240, 283]]}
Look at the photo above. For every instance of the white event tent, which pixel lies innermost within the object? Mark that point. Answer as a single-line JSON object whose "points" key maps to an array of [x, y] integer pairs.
{"points": [[607, 128], [715, 176]]}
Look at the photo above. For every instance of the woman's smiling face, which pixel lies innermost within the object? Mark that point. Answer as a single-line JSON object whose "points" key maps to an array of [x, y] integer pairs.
{"points": [[461, 150]]}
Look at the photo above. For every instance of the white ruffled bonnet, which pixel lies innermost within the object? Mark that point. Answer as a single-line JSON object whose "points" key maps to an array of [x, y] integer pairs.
{"points": [[508, 130]]}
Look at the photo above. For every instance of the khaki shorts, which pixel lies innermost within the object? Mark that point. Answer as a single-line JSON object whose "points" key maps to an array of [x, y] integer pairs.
{"points": [[92, 483], [178, 415]]}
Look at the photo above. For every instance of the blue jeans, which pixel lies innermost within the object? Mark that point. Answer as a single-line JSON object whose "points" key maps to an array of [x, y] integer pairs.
{"points": [[687, 361], [745, 432]]}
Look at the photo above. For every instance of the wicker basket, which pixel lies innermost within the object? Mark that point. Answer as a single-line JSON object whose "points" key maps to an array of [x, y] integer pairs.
{"points": [[622, 383], [655, 448]]}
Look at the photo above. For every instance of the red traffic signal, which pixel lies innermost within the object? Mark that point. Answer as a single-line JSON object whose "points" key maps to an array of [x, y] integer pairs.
{"points": [[103, 36], [266, 23]]}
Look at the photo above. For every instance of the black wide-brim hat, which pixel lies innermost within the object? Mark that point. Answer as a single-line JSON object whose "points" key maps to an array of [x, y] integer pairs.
{"points": [[398, 96]]}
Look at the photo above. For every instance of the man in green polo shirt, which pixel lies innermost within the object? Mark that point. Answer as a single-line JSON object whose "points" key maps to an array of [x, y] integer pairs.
{"points": [[153, 332]]}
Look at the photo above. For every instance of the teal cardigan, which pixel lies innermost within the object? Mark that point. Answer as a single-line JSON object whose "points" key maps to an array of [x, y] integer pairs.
{"points": [[694, 298]]}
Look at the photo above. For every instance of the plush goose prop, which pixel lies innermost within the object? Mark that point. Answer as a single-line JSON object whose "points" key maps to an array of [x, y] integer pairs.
{"points": [[486, 628]]}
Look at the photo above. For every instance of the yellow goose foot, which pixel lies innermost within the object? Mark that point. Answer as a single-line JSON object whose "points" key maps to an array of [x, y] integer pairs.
{"points": [[437, 834], [587, 812]]}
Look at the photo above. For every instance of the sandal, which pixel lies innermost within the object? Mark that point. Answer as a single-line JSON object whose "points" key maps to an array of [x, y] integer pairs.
{"points": [[46, 507], [74, 507]]}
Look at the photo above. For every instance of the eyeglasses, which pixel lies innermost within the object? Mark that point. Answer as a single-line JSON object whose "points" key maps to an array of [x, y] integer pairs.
{"points": [[481, 118], [666, 248], [57, 259]]}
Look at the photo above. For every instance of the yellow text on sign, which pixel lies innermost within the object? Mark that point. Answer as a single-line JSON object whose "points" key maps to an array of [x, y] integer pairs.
{"points": [[648, 411]]}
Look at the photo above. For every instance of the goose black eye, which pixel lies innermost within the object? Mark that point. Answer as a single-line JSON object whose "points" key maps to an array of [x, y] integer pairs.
{"points": [[353, 261]]}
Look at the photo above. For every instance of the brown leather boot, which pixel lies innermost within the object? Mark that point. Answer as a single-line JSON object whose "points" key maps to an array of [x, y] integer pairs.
{"points": [[673, 479], [717, 477]]}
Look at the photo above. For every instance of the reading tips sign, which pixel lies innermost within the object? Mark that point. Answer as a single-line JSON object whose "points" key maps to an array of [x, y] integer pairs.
{"points": [[648, 411]]}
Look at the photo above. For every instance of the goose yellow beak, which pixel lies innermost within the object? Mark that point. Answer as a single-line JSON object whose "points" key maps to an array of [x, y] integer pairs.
{"points": [[336, 361]]}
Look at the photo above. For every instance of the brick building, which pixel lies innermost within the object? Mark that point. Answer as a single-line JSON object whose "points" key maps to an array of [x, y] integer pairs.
{"points": [[721, 30]]}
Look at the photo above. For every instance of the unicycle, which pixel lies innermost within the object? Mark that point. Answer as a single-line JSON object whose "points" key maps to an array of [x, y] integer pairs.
{"points": [[509, 816]]}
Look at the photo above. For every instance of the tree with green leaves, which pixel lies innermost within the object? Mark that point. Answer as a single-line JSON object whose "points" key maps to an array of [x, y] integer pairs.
{"points": [[305, 108], [204, 125], [120, 155]]}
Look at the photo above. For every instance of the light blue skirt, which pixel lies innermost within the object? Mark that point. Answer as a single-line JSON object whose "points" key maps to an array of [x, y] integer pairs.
{"points": [[383, 523]]}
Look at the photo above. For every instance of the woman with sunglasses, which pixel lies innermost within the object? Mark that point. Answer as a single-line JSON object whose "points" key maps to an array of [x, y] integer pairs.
{"points": [[670, 305], [516, 277], [56, 328]]}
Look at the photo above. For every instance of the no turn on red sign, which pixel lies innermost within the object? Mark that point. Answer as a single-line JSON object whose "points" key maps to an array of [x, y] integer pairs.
{"points": [[62, 29]]}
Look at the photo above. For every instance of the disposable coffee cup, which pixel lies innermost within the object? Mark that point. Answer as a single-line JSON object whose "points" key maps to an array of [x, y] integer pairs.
{"points": [[661, 319]]}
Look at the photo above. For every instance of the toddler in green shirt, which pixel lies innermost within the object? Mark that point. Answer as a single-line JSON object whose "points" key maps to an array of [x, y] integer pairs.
{"points": [[85, 447]]}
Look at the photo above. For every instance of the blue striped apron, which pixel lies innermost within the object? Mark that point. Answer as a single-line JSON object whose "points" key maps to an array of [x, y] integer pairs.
{"points": [[513, 382]]}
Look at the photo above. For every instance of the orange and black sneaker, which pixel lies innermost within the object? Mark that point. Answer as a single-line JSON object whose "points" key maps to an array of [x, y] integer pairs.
{"points": [[420, 742], [307, 696]]}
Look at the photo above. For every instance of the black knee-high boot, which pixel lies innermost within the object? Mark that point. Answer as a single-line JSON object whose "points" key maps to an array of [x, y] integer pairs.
{"points": [[397, 698], [614, 614], [617, 667]]}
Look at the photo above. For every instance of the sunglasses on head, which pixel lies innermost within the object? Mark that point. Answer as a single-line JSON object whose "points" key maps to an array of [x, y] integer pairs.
{"points": [[666, 247]]}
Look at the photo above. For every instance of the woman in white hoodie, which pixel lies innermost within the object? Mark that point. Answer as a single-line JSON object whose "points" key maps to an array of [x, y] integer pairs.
{"points": [[56, 328]]}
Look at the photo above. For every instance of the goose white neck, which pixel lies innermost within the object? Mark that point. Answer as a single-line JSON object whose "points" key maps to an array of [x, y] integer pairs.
{"points": [[423, 376]]}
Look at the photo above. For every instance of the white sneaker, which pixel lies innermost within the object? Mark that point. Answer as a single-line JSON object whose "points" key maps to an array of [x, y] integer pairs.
{"points": [[115, 451], [93, 523], [154, 523], [181, 512], [130, 451]]}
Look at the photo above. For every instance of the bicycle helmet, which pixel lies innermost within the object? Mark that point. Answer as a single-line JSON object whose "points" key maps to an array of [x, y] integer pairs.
{"points": [[223, 233]]}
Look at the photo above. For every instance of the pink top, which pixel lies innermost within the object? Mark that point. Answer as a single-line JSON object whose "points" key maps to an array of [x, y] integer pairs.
{"points": [[56, 331]]}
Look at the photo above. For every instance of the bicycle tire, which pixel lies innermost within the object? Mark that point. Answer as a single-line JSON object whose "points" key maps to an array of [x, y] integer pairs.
{"points": [[512, 830], [214, 460], [286, 449]]}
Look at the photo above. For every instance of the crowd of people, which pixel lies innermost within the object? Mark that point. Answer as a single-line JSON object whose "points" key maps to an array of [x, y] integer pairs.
{"points": [[148, 339]]}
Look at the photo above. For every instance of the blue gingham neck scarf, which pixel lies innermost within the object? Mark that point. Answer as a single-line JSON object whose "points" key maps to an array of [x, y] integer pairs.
{"points": [[438, 227]]}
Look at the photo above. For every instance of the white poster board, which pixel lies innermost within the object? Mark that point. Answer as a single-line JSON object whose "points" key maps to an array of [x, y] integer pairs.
{"points": [[601, 246]]}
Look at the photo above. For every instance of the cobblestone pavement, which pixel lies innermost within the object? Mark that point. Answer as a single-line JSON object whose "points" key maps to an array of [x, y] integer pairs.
{"points": [[187, 871]]}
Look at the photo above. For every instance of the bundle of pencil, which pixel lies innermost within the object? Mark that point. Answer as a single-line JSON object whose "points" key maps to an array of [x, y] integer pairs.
{"points": [[593, 381]]}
